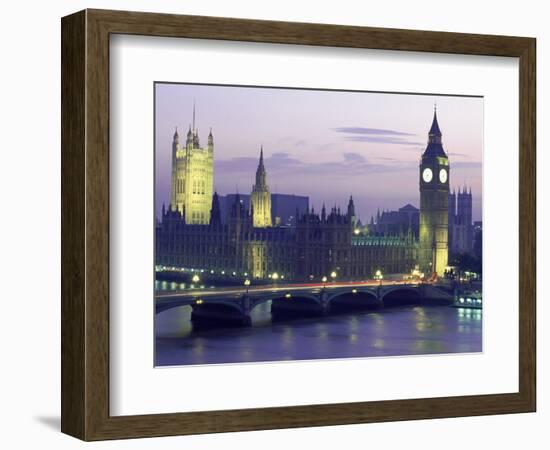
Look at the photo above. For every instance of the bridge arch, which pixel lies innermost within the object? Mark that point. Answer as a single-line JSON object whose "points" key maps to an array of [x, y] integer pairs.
{"points": [[296, 304], [219, 305], [401, 296], [354, 299], [212, 313]]}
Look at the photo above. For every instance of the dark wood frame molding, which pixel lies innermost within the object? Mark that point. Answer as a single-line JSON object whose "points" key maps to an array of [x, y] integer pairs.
{"points": [[85, 224]]}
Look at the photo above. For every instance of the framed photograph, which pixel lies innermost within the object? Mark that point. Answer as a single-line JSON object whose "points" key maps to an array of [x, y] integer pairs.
{"points": [[272, 225]]}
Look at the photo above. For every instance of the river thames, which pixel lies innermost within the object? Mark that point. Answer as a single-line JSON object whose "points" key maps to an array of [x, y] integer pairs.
{"points": [[397, 331]]}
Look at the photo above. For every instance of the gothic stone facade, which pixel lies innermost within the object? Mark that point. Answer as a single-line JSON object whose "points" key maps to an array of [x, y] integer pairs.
{"points": [[461, 229], [192, 176], [434, 201], [317, 246]]}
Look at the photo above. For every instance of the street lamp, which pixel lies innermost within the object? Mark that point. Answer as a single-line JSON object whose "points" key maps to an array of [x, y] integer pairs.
{"points": [[195, 279], [379, 276], [275, 276], [324, 280], [333, 275], [247, 284]]}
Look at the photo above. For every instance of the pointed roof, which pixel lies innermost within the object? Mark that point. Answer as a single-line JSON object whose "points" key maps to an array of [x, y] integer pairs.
{"points": [[434, 130], [193, 114], [261, 175], [261, 164], [409, 207], [434, 147], [176, 135]]}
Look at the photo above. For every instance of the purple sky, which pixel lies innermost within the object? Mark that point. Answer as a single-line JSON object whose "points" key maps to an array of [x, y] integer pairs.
{"points": [[323, 144]]}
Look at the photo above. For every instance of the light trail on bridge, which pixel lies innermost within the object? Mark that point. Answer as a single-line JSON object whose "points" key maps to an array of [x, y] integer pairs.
{"points": [[273, 288]]}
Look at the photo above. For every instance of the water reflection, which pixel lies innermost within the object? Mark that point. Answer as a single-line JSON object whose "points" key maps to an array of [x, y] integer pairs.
{"points": [[392, 331]]}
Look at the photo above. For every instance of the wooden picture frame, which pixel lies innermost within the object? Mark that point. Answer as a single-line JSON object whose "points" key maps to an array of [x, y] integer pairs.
{"points": [[85, 224]]}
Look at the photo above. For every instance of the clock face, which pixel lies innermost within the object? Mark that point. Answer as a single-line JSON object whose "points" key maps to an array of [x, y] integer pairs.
{"points": [[443, 176], [427, 175]]}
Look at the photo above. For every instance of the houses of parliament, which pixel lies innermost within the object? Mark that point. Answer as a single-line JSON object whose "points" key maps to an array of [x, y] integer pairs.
{"points": [[247, 240]]}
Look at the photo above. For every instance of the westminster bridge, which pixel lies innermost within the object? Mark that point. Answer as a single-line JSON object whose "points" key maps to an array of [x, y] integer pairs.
{"points": [[234, 305]]}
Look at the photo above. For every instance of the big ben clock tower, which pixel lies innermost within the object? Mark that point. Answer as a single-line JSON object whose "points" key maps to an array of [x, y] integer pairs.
{"points": [[434, 200]]}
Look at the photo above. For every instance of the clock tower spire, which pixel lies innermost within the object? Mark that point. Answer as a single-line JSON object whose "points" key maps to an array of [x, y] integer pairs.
{"points": [[434, 199]]}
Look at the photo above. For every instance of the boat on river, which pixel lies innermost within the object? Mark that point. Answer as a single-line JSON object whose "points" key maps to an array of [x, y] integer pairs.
{"points": [[470, 300]]}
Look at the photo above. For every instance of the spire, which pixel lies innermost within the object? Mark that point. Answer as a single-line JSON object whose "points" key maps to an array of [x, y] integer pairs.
{"points": [[261, 175], [176, 135], [434, 130], [193, 114], [262, 155], [210, 140], [351, 208], [215, 213]]}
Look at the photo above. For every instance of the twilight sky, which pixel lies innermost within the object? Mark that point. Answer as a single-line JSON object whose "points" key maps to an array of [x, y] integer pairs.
{"points": [[323, 144]]}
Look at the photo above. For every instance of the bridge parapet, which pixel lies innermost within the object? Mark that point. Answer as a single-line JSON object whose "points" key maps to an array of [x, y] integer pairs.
{"points": [[234, 305]]}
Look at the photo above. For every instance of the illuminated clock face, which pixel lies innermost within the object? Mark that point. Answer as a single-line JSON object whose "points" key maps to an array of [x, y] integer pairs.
{"points": [[443, 176], [427, 175]]}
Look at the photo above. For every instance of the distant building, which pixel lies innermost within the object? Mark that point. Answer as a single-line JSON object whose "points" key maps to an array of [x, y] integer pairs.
{"points": [[227, 201], [396, 222], [285, 206], [478, 240], [461, 229]]}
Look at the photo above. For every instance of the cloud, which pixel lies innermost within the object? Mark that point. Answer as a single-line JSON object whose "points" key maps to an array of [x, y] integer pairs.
{"points": [[466, 165], [372, 131], [282, 165], [377, 135], [382, 140], [354, 157], [289, 140]]}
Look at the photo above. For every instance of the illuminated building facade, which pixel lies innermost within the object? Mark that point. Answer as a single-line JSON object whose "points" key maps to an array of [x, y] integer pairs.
{"points": [[260, 198], [317, 246], [434, 204], [192, 176]]}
